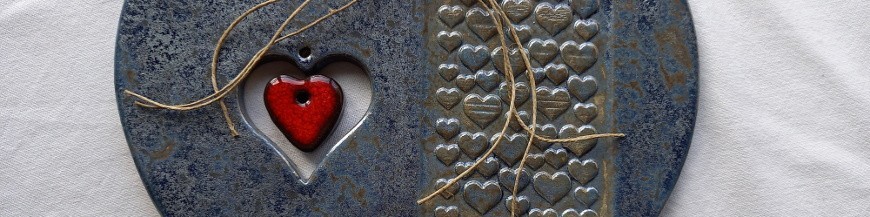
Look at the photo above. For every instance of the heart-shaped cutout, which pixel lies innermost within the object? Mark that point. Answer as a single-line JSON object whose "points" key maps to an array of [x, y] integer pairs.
{"points": [[356, 98]]}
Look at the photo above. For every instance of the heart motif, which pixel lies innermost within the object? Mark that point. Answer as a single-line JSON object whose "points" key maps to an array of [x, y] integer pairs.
{"points": [[552, 187], [523, 92], [586, 28], [553, 101], [482, 196], [524, 116], [583, 171], [587, 196], [543, 51], [449, 40], [556, 157], [447, 97], [578, 148], [535, 161], [556, 73], [517, 10], [516, 61], [482, 110], [582, 88], [480, 22], [464, 82], [512, 147], [585, 112], [522, 206], [546, 131], [451, 15], [447, 127], [472, 144], [487, 79], [524, 32], [574, 213], [539, 74], [447, 211], [507, 177], [489, 167], [461, 167], [579, 56], [447, 153], [553, 18], [570, 213], [448, 71], [452, 190], [543, 213], [474, 57], [585, 7], [304, 110]]}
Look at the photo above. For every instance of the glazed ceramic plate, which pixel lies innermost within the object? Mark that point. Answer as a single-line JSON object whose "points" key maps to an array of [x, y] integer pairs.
{"points": [[422, 98]]}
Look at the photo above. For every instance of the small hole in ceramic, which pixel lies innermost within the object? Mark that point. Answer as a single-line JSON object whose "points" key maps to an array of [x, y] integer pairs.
{"points": [[305, 52], [302, 97]]}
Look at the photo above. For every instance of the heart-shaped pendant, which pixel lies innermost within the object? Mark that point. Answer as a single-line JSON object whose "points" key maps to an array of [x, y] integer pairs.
{"points": [[304, 110]]}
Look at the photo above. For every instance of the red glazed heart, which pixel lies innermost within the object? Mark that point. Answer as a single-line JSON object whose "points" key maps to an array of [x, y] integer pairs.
{"points": [[304, 110]]}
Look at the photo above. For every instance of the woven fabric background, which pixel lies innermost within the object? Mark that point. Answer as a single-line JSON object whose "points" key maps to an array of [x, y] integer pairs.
{"points": [[783, 121]]}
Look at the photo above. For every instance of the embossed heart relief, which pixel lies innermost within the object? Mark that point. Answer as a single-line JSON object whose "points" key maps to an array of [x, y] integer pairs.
{"points": [[407, 108]]}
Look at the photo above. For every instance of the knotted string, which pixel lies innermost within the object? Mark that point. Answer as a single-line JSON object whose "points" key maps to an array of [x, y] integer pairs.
{"points": [[498, 15], [220, 93]]}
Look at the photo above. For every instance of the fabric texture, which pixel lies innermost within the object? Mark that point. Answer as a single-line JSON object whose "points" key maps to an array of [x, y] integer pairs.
{"points": [[783, 122]]}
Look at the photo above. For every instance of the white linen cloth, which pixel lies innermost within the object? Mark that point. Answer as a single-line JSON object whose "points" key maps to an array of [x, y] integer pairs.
{"points": [[783, 122]]}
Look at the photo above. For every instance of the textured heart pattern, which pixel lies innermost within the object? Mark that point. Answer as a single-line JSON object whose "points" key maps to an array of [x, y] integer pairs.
{"points": [[473, 95]]}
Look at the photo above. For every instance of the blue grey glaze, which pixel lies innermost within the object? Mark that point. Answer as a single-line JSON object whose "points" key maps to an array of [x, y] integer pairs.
{"points": [[191, 166]]}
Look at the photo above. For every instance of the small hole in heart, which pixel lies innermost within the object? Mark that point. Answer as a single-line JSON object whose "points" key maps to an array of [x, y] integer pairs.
{"points": [[303, 97], [305, 52]]}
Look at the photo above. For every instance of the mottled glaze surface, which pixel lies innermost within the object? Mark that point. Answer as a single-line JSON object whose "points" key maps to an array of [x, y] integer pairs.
{"points": [[646, 68]]}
